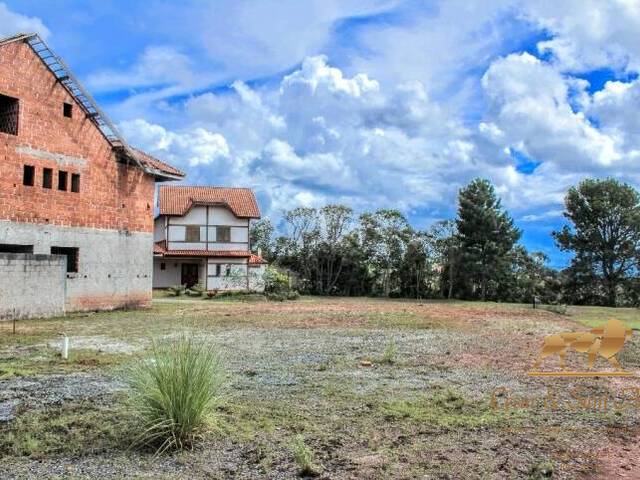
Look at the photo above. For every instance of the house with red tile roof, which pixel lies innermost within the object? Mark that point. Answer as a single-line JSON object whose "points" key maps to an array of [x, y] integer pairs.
{"points": [[202, 237]]}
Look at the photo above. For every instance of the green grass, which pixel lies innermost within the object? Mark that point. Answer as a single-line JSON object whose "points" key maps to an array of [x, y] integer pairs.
{"points": [[447, 410], [175, 391], [596, 316], [74, 428]]}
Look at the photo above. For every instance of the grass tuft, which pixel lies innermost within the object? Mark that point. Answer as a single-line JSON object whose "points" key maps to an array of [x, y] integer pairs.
{"points": [[303, 456], [390, 353], [175, 391]]}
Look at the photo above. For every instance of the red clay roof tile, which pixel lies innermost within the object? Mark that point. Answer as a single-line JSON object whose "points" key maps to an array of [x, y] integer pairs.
{"points": [[178, 200]]}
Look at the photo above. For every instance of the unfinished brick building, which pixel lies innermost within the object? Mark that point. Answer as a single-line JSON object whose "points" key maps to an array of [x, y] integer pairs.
{"points": [[71, 186]]}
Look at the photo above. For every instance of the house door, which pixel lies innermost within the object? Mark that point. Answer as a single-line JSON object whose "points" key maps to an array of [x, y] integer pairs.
{"points": [[189, 274]]}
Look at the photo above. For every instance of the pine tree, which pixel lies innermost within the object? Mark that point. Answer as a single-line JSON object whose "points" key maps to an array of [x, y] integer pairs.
{"points": [[487, 236], [605, 236]]}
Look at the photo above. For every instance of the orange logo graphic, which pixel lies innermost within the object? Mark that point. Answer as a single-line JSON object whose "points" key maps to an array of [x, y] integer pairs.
{"points": [[605, 342]]}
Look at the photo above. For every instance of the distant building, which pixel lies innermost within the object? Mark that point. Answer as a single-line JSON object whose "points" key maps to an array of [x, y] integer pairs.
{"points": [[76, 201], [202, 236]]}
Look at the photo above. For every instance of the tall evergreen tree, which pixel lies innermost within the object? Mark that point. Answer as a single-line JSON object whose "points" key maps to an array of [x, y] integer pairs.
{"points": [[487, 235], [605, 235]]}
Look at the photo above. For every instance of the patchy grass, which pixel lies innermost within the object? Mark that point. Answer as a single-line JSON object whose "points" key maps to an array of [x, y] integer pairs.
{"points": [[74, 428], [596, 316], [421, 408]]}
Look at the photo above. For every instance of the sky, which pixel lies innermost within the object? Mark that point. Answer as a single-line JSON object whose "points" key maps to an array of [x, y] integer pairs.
{"points": [[370, 103]]}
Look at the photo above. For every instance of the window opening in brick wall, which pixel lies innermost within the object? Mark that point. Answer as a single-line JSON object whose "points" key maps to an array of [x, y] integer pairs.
{"points": [[75, 182], [72, 257], [47, 178], [67, 110], [10, 248], [62, 180], [28, 175], [163, 266], [9, 114]]}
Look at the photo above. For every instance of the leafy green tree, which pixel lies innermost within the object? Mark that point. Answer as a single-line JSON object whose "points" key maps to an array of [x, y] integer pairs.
{"points": [[604, 235], [446, 249], [261, 238], [487, 235], [385, 236]]}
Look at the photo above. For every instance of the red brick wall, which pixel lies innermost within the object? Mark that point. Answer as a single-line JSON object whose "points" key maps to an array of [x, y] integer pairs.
{"points": [[112, 195]]}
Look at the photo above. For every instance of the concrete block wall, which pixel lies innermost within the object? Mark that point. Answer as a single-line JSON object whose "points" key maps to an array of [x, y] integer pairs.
{"points": [[32, 285], [114, 267]]}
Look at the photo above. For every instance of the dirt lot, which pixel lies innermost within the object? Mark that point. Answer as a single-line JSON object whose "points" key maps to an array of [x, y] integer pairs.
{"points": [[377, 389]]}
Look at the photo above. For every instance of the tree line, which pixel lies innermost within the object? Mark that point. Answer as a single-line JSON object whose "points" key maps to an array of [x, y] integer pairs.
{"points": [[476, 256]]}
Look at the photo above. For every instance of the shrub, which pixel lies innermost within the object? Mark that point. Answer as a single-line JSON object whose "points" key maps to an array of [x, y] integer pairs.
{"points": [[275, 281], [175, 391], [177, 290], [196, 291], [303, 456], [293, 295]]}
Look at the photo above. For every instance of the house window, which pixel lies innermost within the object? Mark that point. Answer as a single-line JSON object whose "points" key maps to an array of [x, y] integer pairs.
{"points": [[227, 271], [75, 182], [9, 109], [216, 271], [163, 266], [192, 233], [72, 257], [223, 234], [62, 180], [47, 178], [9, 248], [28, 174], [67, 110]]}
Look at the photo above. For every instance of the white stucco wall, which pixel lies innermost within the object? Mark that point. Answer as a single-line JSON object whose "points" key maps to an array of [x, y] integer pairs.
{"points": [[224, 216], [158, 229], [172, 274]]}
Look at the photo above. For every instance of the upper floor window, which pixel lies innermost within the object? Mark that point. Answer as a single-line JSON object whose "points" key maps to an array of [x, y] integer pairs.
{"points": [[47, 178], [28, 175], [9, 114], [223, 234], [192, 233], [62, 180], [75, 182], [67, 110]]}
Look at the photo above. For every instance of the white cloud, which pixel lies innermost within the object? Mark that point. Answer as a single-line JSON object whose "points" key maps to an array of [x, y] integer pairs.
{"points": [[617, 107], [158, 65], [529, 104], [12, 23], [589, 34], [193, 147]]}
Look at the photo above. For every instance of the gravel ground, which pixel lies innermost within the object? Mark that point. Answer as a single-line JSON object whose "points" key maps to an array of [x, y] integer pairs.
{"points": [[315, 367], [34, 393]]}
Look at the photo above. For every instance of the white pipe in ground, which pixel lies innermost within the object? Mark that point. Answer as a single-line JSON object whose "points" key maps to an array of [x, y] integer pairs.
{"points": [[65, 347]]}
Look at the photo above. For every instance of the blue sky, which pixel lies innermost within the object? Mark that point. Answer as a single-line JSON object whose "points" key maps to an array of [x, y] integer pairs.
{"points": [[371, 103]]}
